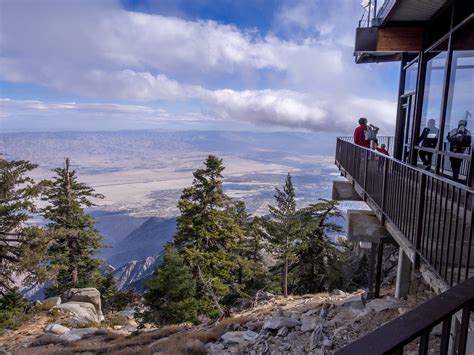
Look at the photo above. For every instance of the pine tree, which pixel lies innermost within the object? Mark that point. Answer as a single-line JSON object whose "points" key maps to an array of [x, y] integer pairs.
{"points": [[22, 248], [207, 233], [317, 266], [170, 295], [284, 228], [112, 299], [75, 238], [250, 244]]}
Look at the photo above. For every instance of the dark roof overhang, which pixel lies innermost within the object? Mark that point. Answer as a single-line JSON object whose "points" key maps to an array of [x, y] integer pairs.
{"points": [[399, 11]]}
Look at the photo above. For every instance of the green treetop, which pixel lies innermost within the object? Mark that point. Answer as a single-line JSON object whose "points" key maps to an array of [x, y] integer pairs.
{"points": [[22, 248], [207, 232], [317, 267], [284, 228], [170, 295], [75, 238]]}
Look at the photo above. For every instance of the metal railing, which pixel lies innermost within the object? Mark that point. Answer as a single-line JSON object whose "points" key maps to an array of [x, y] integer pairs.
{"points": [[394, 336], [434, 214]]}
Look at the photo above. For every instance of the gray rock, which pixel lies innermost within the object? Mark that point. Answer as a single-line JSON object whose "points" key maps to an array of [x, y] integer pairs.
{"points": [[89, 295], [55, 328], [77, 334], [239, 338], [276, 323], [355, 302], [309, 323], [316, 336], [344, 316], [327, 343], [283, 332], [52, 301], [255, 325], [381, 304], [250, 335], [83, 312]]}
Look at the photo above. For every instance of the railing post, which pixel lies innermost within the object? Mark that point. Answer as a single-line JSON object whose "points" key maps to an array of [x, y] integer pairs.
{"points": [[365, 173], [384, 188], [420, 208]]}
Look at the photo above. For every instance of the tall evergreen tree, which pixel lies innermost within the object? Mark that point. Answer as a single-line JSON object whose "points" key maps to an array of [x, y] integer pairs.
{"points": [[170, 295], [317, 266], [250, 274], [284, 228], [75, 238], [22, 248], [207, 233]]}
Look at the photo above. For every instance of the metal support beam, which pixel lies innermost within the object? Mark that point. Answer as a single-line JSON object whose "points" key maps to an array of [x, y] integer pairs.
{"points": [[378, 274]]}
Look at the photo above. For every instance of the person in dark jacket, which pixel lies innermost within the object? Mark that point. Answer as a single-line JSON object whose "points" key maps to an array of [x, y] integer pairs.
{"points": [[428, 139], [359, 133], [459, 140]]}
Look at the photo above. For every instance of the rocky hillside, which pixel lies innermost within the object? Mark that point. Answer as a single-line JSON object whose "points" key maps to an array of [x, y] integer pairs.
{"points": [[317, 324], [132, 275]]}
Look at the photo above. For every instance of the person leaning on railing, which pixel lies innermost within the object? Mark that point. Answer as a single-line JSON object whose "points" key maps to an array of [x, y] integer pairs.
{"points": [[360, 136]]}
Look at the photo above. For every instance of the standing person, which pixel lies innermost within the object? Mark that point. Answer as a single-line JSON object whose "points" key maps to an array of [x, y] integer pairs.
{"points": [[359, 133], [428, 139], [459, 140]]}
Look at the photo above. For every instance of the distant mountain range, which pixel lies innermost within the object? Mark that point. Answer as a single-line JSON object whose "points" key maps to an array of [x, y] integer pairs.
{"points": [[133, 275], [147, 240], [47, 147]]}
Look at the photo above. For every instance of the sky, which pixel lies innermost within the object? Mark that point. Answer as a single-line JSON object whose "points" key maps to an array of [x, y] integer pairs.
{"points": [[188, 64]]}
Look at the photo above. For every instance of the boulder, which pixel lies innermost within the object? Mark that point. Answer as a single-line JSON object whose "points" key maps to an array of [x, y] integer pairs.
{"points": [[381, 304], [309, 323], [276, 323], [52, 301], [77, 334], [89, 295], [83, 312], [238, 337], [55, 328], [355, 302], [344, 316]]}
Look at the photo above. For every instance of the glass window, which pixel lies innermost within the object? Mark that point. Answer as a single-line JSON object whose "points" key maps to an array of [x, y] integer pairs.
{"points": [[432, 99], [433, 94], [460, 106], [410, 77]]}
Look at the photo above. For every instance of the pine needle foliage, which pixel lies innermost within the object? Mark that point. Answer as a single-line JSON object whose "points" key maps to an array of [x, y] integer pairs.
{"points": [[317, 267], [207, 234], [170, 295], [22, 248], [75, 238], [284, 229]]}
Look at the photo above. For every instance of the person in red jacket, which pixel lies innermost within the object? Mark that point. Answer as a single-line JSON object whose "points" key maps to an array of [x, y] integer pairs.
{"points": [[382, 149], [359, 137]]}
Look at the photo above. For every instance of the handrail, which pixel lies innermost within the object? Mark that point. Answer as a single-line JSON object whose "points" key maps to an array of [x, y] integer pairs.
{"points": [[350, 139], [418, 323], [434, 214]]}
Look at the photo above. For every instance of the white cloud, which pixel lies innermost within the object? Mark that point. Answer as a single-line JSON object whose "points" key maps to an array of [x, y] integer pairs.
{"points": [[99, 50]]}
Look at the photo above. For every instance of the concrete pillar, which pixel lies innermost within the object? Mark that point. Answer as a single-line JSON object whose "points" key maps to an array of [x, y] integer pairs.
{"points": [[343, 190], [403, 275]]}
